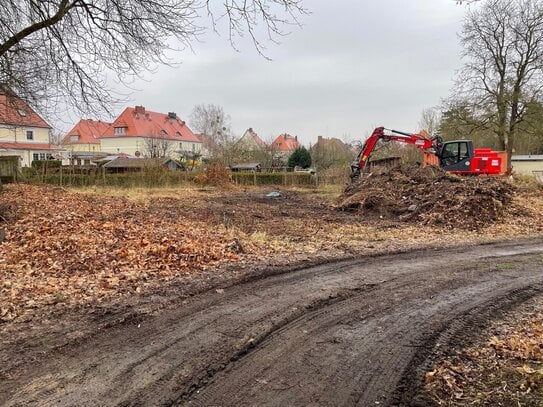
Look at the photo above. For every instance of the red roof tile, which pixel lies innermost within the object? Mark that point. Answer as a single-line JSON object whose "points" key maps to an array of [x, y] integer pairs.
{"points": [[30, 146], [88, 132], [285, 142], [16, 112], [139, 122]]}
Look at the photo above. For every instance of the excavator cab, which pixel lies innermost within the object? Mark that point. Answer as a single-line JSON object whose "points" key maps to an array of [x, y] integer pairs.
{"points": [[456, 155]]}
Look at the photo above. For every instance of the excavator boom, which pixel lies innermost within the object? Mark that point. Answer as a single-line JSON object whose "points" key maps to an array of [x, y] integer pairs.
{"points": [[380, 133], [454, 156]]}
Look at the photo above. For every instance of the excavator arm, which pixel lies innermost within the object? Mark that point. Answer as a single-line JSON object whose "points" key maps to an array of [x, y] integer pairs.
{"points": [[380, 133]]}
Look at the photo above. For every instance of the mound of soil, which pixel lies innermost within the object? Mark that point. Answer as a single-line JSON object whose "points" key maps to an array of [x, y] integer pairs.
{"points": [[430, 196]]}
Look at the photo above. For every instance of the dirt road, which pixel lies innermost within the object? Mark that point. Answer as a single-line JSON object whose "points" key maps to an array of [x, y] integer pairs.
{"points": [[357, 332]]}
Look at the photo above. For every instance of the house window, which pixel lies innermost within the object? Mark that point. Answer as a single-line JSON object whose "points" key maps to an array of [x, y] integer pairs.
{"points": [[181, 146], [74, 138], [193, 147], [29, 135], [42, 156], [120, 130], [35, 157]]}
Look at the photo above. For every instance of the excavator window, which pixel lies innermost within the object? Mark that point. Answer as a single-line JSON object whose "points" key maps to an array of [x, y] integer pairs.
{"points": [[453, 153]]}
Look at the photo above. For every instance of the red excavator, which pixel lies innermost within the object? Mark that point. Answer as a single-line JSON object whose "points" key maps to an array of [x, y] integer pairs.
{"points": [[458, 157]]}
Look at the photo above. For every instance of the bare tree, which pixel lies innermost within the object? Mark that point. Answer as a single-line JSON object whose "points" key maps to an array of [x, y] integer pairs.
{"points": [[430, 120], [69, 51], [331, 152], [211, 121], [157, 146], [503, 45]]}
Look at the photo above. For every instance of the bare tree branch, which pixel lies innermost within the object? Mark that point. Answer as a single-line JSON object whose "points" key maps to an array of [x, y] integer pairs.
{"points": [[59, 53]]}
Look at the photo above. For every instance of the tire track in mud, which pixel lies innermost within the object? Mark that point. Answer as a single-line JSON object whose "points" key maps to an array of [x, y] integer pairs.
{"points": [[389, 340], [220, 343]]}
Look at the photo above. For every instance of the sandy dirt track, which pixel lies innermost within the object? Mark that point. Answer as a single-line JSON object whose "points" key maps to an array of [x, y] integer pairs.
{"points": [[357, 332]]}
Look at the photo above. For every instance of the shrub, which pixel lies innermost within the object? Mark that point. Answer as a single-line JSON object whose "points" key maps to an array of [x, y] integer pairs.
{"points": [[300, 158], [216, 175], [41, 165]]}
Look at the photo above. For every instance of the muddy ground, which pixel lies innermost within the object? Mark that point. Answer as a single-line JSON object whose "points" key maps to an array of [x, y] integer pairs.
{"points": [[160, 338], [353, 332]]}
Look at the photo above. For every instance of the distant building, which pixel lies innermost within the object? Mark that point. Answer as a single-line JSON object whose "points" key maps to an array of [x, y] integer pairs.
{"points": [[144, 133], [255, 167], [331, 152], [85, 136], [527, 164], [82, 142], [209, 146], [125, 164], [251, 141], [23, 132], [284, 145]]}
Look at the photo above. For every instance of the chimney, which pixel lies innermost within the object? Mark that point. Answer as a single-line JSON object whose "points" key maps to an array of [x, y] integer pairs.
{"points": [[285, 136], [319, 139], [139, 110], [296, 138]]}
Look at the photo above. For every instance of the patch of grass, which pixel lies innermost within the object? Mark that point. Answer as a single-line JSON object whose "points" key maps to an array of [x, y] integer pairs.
{"points": [[527, 183], [259, 237], [59, 298], [505, 266], [328, 192]]}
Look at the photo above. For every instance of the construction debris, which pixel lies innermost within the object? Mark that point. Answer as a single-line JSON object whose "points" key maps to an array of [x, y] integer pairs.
{"points": [[428, 196]]}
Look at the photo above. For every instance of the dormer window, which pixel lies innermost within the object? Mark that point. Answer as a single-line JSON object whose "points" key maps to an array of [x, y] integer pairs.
{"points": [[74, 138], [21, 112], [120, 130], [163, 132]]}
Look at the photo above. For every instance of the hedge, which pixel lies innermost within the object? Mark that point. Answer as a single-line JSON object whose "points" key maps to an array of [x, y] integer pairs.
{"points": [[161, 179], [40, 165], [126, 180]]}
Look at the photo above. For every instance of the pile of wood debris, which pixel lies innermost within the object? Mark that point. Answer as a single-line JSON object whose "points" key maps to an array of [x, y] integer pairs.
{"points": [[430, 196]]}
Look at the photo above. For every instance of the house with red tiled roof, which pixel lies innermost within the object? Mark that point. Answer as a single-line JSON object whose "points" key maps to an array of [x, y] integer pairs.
{"points": [[23, 132], [145, 133], [251, 141], [82, 142], [85, 136], [284, 145]]}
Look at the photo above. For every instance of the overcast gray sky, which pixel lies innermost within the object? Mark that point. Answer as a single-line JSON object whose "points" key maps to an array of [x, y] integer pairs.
{"points": [[354, 65]]}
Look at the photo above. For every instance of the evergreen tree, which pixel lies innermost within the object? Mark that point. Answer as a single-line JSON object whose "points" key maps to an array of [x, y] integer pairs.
{"points": [[300, 158]]}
